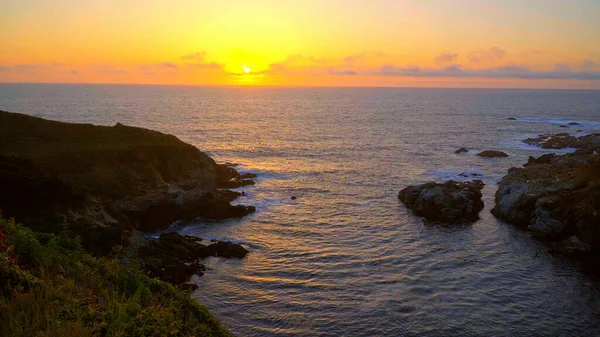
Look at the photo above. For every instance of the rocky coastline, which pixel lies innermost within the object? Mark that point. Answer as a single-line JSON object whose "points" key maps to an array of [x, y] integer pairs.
{"points": [[101, 185], [554, 197]]}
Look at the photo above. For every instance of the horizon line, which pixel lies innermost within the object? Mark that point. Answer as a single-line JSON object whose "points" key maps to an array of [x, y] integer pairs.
{"points": [[300, 86]]}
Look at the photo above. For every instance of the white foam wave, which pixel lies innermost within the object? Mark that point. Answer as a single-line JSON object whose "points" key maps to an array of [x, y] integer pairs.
{"points": [[560, 121]]}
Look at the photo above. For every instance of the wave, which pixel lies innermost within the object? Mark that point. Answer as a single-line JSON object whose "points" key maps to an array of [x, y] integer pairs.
{"points": [[560, 121], [465, 174]]}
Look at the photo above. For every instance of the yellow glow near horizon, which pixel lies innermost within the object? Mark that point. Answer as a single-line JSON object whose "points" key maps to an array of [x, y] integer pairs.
{"points": [[309, 42]]}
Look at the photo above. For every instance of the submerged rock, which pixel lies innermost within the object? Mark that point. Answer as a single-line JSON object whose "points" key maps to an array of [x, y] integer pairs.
{"points": [[511, 119], [450, 202], [174, 258], [574, 123], [470, 175], [461, 150], [492, 154]]}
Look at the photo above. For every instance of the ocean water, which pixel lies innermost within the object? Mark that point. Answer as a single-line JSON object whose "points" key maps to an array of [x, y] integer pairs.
{"points": [[346, 258]]}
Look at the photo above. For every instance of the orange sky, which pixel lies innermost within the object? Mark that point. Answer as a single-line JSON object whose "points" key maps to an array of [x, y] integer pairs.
{"points": [[438, 43]]}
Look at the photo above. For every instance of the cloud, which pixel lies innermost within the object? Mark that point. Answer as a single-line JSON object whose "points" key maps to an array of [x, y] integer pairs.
{"points": [[589, 65], [168, 65], [445, 58], [334, 72], [491, 55], [198, 61], [560, 72], [362, 57], [27, 68], [111, 69], [74, 72], [3, 69], [195, 56]]}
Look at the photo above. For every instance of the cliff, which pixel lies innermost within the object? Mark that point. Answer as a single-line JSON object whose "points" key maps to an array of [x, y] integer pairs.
{"points": [[556, 198], [80, 191], [103, 182]]}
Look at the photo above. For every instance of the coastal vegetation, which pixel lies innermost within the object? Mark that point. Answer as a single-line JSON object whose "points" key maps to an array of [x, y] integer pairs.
{"points": [[73, 197]]}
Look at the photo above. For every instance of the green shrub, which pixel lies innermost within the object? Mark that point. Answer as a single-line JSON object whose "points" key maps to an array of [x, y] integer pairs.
{"points": [[51, 286]]}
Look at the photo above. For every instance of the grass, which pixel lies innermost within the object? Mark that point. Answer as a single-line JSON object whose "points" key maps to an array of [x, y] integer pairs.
{"points": [[50, 286]]}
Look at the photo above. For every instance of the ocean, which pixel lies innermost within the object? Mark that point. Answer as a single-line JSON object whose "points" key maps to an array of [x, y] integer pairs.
{"points": [[346, 258]]}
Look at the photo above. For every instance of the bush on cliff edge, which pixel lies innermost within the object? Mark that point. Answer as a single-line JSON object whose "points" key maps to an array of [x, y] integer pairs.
{"points": [[50, 286]]}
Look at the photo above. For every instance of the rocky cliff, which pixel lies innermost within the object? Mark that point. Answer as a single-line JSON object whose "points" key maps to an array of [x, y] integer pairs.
{"points": [[102, 182], [557, 197]]}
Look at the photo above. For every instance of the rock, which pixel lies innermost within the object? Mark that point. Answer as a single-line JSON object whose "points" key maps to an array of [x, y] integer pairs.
{"points": [[573, 123], [226, 249], [451, 202], [552, 141], [564, 126], [579, 130], [572, 247], [102, 183], [512, 119], [492, 154], [188, 286], [228, 177], [157, 211], [469, 175], [293, 197], [461, 150], [587, 143], [556, 198], [174, 258], [248, 175]]}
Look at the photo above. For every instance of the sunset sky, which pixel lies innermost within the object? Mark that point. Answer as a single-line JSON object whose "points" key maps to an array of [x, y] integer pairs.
{"points": [[439, 43]]}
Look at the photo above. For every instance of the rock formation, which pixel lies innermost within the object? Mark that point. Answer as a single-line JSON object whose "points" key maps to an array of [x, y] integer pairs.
{"points": [[492, 154], [102, 182], [174, 258], [557, 198], [451, 202]]}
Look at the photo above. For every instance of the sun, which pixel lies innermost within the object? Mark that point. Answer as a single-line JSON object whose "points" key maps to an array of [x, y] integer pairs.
{"points": [[246, 69]]}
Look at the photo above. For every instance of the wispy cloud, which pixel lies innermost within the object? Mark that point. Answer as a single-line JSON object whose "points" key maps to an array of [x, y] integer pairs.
{"points": [[503, 72], [490, 55], [446, 58], [168, 65], [112, 69], [199, 61]]}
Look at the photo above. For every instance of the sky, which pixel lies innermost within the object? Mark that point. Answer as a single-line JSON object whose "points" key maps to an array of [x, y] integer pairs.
{"points": [[404, 43]]}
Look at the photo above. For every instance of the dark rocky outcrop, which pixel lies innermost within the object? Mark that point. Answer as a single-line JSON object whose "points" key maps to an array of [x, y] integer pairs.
{"points": [[574, 124], [461, 150], [451, 202], [492, 154], [470, 175], [587, 143], [552, 141], [511, 119], [174, 258], [557, 198], [228, 177], [103, 182]]}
